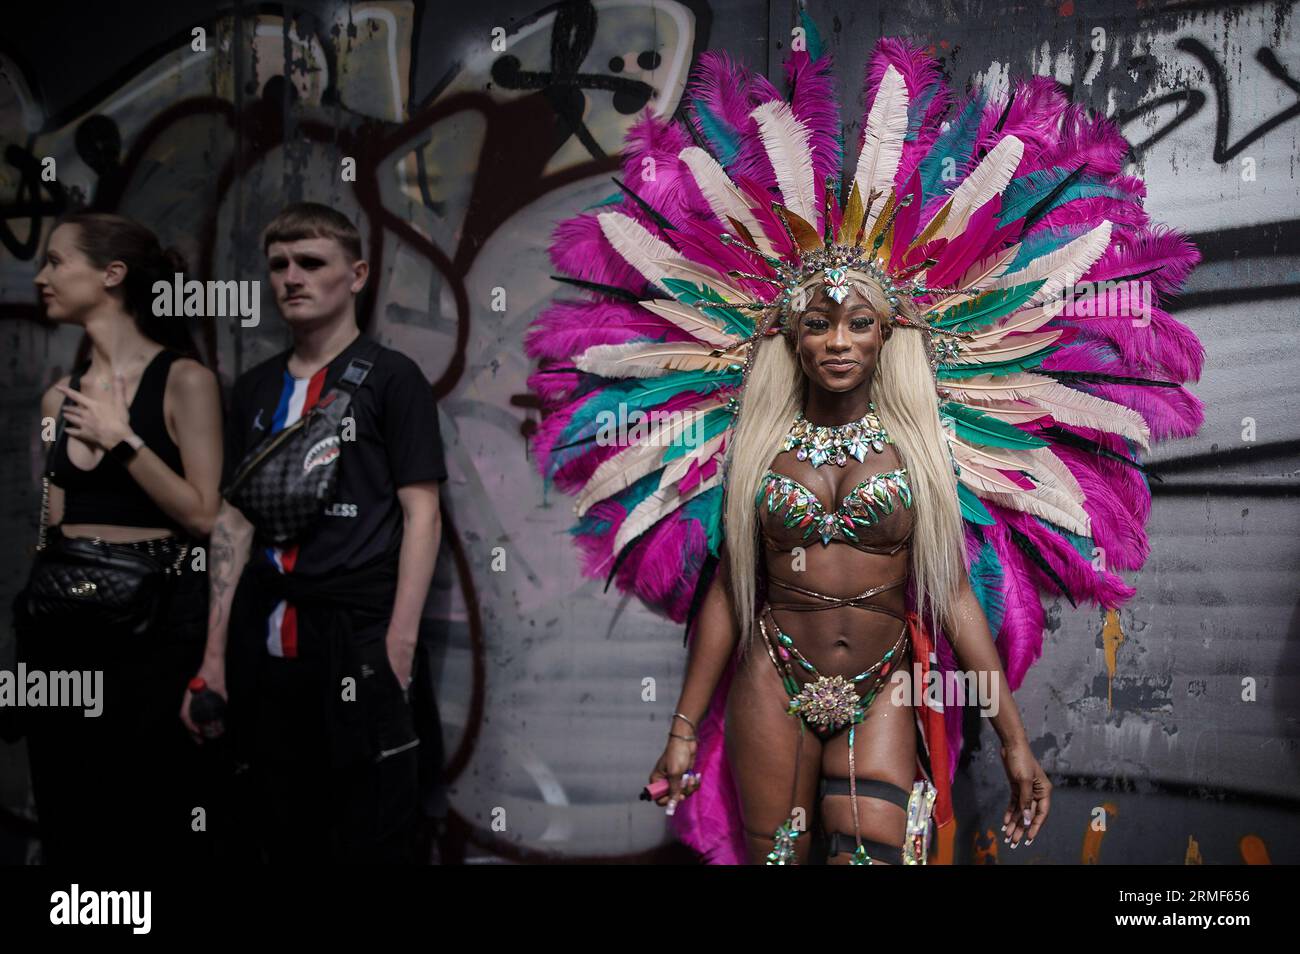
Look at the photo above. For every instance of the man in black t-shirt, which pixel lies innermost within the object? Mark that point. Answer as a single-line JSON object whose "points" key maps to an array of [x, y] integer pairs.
{"points": [[318, 636]]}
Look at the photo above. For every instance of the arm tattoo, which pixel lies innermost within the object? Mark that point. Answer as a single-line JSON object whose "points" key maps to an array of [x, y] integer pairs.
{"points": [[224, 547]]}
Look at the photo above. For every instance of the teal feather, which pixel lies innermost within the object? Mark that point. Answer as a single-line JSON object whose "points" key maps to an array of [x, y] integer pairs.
{"points": [[958, 141], [608, 200], [707, 509], [812, 35], [987, 308], [640, 394], [715, 422], [699, 296], [986, 584], [916, 111], [627, 498], [971, 507], [1027, 363], [723, 138], [985, 429], [1024, 192], [1044, 242]]}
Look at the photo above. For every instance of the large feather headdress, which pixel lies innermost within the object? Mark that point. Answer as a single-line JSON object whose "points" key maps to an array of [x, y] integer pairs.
{"points": [[989, 214]]}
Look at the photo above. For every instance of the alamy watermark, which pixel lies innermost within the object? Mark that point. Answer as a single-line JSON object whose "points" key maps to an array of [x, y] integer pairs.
{"points": [[625, 427], [35, 688], [941, 689], [195, 299], [77, 907]]}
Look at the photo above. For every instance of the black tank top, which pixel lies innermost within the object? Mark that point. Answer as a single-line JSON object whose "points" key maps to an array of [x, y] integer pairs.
{"points": [[108, 494]]}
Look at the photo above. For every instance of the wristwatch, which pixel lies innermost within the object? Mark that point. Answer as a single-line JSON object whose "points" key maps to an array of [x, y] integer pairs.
{"points": [[125, 450]]}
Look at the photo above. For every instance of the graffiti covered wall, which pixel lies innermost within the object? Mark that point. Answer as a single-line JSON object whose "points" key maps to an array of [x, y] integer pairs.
{"points": [[464, 156]]}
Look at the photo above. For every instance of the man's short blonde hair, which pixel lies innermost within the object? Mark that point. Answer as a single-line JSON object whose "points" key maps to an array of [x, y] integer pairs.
{"points": [[304, 220]]}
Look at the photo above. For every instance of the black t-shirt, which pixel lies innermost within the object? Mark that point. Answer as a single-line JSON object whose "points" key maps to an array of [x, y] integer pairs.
{"points": [[396, 442]]}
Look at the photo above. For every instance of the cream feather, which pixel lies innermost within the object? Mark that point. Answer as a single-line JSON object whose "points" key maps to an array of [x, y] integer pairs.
{"points": [[1085, 410], [785, 139], [985, 181], [655, 507], [638, 247], [619, 472], [694, 323], [639, 359], [698, 274], [988, 477], [977, 276], [1023, 321], [1056, 496], [987, 269], [1011, 412], [1075, 519], [1066, 404], [723, 196], [1062, 267], [882, 141], [1012, 348], [622, 470]]}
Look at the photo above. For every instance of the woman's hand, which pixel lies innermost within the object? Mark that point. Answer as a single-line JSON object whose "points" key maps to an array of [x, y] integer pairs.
{"points": [[101, 422], [214, 674], [1031, 794], [678, 757]]}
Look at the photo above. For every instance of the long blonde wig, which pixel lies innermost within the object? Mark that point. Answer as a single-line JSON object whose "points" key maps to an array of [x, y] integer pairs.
{"points": [[904, 395]]}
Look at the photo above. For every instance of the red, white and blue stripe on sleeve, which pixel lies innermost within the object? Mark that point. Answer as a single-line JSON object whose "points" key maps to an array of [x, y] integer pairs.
{"points": [[297, 396]]}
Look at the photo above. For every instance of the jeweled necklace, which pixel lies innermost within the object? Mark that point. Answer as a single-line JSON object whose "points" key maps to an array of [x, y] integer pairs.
{"points": [[835, 444]]}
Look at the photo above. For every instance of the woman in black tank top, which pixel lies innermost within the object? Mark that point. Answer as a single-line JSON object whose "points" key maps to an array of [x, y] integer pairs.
{"points": [[137, 464]]}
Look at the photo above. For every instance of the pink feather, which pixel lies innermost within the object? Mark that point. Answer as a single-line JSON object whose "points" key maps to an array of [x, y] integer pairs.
{"points": [[1020, 641], [665, 182], [1160, 247], [1168, 412], [579, 249], [567, 328], [1033, 118], [814, 103]]}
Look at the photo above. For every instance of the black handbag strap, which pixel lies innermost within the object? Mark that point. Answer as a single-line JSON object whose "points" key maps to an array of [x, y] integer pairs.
{"points": [[355, 374], [48, 472]]}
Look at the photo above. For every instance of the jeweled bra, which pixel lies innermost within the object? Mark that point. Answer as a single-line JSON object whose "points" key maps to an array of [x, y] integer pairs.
{"points": [[864, 506]]}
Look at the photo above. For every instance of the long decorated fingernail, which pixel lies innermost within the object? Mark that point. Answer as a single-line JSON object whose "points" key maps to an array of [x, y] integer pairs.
{"points": [[1029, 816]]}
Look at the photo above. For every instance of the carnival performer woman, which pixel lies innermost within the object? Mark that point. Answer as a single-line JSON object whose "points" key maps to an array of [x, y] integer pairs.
{"points": [[853, 405], [884, 435]]}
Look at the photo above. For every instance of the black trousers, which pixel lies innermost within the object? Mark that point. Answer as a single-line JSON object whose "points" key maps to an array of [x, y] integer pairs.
{"points": [[128, 785], [335, 770]]}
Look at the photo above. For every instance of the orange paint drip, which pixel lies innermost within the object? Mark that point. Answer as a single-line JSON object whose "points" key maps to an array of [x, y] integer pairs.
{"points": [[1193, 855], [985, 845], [1092, 837], [1112, 636], [1254, 851]]}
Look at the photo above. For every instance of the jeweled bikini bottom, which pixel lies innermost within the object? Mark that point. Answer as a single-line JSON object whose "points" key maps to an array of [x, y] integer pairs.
{"points": [[827, 705]]}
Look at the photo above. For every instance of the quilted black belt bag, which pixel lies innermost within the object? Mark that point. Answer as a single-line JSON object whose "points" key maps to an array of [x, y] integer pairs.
{"points": [[93, 583], [284, 483]]}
